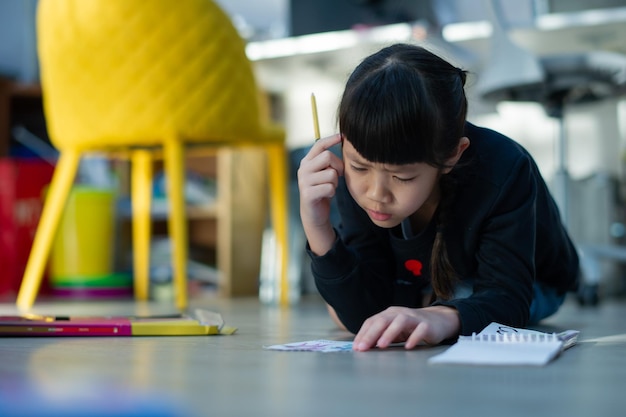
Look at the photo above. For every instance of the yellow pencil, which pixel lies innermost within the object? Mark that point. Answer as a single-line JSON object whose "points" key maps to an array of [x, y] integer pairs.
{"points": [[316, 123]]}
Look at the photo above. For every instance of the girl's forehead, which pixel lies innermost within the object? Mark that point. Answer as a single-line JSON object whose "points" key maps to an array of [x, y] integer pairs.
{"points": [[352, 154]]}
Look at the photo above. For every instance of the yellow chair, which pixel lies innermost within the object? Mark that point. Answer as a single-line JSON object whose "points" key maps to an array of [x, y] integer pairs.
{"points": [[135, 76]]}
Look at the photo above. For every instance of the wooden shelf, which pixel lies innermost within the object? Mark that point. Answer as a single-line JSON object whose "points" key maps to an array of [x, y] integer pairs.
{"points": [[160, 212], [232, 227], [202, 212]]}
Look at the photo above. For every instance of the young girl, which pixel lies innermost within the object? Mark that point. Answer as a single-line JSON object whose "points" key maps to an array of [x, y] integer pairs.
{"points": [[445, 226]]}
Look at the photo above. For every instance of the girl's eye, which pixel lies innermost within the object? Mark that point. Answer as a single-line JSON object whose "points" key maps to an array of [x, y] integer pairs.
{"points": [[357, 168], [404, 179]]}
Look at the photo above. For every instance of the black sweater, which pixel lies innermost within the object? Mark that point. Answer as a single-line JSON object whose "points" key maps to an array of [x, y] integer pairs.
{"points": [[503, 231]]}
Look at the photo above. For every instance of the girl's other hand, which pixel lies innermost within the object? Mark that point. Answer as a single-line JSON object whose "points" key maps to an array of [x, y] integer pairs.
{"points": [[413, 326], [318, 176]]}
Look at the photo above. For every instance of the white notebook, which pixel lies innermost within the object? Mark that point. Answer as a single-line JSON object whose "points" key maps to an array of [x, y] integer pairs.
{"points": [[498, 344]]}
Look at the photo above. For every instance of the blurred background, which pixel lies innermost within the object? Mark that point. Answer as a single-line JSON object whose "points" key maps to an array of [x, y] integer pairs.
{"points": [[299, 47]]}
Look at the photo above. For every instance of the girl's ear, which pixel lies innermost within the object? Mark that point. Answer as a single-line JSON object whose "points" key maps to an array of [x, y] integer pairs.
{"points": [[464, 143]]}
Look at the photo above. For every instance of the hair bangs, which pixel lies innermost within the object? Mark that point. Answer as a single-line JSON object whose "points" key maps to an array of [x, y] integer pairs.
{"points": [[388, 120]]}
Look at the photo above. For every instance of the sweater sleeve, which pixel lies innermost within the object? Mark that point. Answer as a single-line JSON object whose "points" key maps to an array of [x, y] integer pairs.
{"points": [[504, 254], [354, 276]]}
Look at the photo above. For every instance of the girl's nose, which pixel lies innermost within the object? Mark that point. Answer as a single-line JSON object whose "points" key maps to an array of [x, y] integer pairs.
{"points": [[378, 191]]}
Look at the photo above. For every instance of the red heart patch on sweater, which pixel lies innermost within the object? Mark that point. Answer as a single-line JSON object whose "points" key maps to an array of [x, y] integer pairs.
{"points": [[414, 266]]}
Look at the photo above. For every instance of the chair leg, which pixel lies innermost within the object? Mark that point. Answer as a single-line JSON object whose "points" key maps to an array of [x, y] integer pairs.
{"points": [[141, 189], [175, 173], [58, 193], [279, 206]]}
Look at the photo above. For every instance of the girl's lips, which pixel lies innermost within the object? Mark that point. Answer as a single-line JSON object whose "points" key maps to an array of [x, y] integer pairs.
{"points": [[378, 216]]}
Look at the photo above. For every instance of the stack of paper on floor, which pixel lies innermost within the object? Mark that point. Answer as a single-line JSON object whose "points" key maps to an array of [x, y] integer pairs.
{"points": [[202, 322]]}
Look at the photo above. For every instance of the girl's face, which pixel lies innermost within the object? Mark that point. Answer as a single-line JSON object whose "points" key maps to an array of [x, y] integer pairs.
{"points": [[391, 193]]}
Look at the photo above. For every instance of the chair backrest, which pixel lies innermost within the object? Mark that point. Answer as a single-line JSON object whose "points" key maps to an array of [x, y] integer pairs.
{"points": [[554, 80], [511, 72], [120, 72]]}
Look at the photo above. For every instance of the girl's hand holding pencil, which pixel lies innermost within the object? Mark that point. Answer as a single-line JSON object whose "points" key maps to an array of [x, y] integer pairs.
{"points": [[318, 177]]}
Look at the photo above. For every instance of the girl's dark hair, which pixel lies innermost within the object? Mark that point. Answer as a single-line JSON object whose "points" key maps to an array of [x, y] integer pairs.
{"points": [[405, 105]]}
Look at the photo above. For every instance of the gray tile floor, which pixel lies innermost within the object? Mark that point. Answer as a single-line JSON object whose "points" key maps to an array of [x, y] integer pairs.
{"points": [[235, 376]]}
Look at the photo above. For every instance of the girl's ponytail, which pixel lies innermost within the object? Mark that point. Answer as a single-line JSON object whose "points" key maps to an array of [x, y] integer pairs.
{"points": [[443, 276]]}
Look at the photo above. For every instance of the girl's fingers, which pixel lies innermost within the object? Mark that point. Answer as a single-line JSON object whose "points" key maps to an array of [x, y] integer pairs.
{"points": [[389, 326], [322, 145], [370, 333], [320, 158], [335, 162], [328, 141], [418, 336], [398, 327], [365, 342]]}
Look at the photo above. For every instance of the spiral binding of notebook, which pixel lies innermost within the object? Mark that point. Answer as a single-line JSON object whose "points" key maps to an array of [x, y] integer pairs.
{"points": [[498, 344], [512, 338]]}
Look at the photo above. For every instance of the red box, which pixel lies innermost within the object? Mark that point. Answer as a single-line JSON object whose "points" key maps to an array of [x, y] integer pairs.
{"points": [[22, 182]]}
